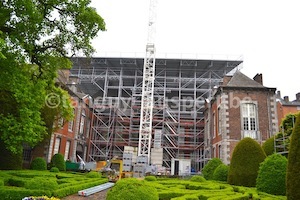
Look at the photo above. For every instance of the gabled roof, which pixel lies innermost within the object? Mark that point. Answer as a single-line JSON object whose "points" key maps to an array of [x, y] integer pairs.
{"points": [[241, 80]]}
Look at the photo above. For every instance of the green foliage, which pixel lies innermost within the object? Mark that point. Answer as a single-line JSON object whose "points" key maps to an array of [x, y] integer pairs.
{"points": [[16, 181], [58, 161], [40, 183], [9, 160], [209, 168], [131, 188], [36, 39], [197, 178], [54, 169], [38, 164], [272, 174], [293, 172], [10, 193], [268, 146], [150, 178], [245, 161], [93, 174], [221, 173]]}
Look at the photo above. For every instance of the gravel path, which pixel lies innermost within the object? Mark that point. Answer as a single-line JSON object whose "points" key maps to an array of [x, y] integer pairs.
{"points": [[97, 196]]}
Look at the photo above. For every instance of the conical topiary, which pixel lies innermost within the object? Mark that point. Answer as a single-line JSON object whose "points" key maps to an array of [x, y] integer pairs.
{"points": [[293, 168], [246, 157]]}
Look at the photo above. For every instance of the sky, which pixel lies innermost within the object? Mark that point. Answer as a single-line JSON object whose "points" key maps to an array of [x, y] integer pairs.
{"points": [[264, 33]]}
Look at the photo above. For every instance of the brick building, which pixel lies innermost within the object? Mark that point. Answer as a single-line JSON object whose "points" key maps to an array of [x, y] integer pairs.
{"points": [[285, 106], [240, 107]]}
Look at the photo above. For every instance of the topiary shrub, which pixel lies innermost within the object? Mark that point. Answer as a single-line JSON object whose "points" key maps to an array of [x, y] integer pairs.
{"points": [[293, 172], [272, 174], [41, 184], [246, 157], [221, 173], [209, 168], [131, 188], [150, 178], [54, 169], [58, 161], [197, 178], [38, 164], [93, 174], [268, 146]]}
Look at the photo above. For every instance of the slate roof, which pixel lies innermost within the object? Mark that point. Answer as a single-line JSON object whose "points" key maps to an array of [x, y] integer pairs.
{"points": [[241, 80]]}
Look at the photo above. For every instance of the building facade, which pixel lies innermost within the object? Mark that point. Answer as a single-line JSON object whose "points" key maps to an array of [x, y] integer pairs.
{"points": [[240, 107]]}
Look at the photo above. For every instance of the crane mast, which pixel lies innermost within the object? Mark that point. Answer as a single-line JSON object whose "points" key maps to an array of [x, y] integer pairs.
{"points": [[147, 101]]}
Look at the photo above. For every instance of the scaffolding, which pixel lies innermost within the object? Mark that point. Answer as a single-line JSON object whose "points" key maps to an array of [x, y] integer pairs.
{"points": [[180, 89]]}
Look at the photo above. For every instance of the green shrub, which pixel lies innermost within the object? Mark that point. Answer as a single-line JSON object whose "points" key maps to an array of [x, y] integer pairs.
{"points": [[293, 172], [9, 160], [93, 174], [10, 193], [246, 157], [58, 161], [272, 174], [41, 184], [268, 146], [131, 188], [197, 178], [150, 178], [209, 168], [221, 173], [38, 164], [54, 169], [16, 181]]}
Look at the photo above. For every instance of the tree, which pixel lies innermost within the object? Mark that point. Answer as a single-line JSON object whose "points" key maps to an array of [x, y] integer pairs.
{"points": [[293, 173], [245, 161], [271, 175], [268, 146], [37, 37]]}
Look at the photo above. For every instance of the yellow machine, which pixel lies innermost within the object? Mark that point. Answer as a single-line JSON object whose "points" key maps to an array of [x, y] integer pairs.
{"points": [[113, 170]]}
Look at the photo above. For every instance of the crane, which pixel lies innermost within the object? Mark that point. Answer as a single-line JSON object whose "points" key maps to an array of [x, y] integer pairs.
{"points": [[147, 100]]}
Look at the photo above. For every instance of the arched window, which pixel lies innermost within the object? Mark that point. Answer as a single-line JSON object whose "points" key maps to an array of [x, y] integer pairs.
{"points": [[82, 121]]}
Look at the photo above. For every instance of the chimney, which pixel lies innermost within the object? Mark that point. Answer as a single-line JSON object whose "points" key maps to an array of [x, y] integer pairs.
{"points": [[286, 98], [226, 80], [258, 78], [278, 95], [298, 96]]}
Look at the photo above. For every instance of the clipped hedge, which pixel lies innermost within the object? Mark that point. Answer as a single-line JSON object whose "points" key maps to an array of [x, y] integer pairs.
{"points": [[245, 161], [197, 178], [150, 178], [131, 188], [58, 161], [10, 193], [293, 172], [268, 146], [54, 169], [93, 174], [209, 168], [42, 184], [221, 173], [272, 174], [38, 164]]}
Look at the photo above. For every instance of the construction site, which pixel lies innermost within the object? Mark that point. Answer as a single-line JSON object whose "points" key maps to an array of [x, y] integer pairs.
{"points": [[181, 87]]}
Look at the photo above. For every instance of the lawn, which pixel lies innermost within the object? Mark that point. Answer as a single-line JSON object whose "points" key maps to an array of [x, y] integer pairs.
{"points": [[25, 183]]}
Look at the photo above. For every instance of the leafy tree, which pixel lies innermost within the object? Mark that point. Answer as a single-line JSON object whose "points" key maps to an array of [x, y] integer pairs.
{"points": [[271, 175], [209, 168], [244, 165], [268, 146], [293, 173], [36, 39]]}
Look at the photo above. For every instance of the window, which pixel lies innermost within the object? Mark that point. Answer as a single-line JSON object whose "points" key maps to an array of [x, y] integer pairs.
{"points": [[88, 124], [249, 121], [82, 120], [219, 121], [71, 123], [214, 125], [67, 150], [56, 146], [60, 122]]}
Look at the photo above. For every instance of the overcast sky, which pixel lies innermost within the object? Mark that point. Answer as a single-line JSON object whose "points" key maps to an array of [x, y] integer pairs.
{"points": [[266, 33]]}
